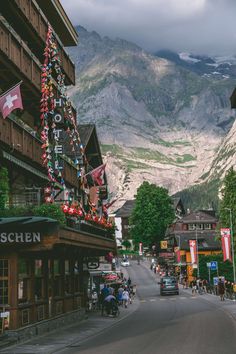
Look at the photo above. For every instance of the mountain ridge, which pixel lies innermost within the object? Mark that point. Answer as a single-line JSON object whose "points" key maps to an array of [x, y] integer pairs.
{"points": [[156, 120]]}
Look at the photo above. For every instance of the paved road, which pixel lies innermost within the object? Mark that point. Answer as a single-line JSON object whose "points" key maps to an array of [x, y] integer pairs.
{"points": [[183, 324]]}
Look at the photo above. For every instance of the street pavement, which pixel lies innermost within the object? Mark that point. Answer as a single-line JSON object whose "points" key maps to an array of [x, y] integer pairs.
{"points": [[186, 324]]}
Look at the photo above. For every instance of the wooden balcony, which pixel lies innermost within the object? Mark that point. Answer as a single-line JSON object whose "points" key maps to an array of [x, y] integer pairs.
{"points": [[17, 61], [31, 24], [23, 145]]}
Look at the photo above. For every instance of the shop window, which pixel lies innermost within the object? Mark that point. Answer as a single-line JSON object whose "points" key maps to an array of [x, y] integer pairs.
{"points": [[68, 276], [57, 281], [23, 281], [3, 281], [76, 277], [39, 280]]}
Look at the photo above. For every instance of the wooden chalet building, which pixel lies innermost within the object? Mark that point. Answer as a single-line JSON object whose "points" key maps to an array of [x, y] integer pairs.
{"points": [[42, 273], [200, 226]]}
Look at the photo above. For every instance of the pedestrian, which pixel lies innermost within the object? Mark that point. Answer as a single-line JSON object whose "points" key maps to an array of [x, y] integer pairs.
{"points": [[194, 287], [108, 303], [119, 295], [200, 287], [221, 289], [129, 282], [94, 299], [125, 297]]}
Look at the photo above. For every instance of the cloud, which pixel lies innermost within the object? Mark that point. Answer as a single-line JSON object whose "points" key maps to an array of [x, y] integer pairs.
{"points": [[199, 26]]}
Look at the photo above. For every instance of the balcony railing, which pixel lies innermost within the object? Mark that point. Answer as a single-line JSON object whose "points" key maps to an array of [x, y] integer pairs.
{"points": [[20, 142], [28, 18]]}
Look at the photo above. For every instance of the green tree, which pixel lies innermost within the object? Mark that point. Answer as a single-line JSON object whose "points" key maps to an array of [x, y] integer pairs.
{"points": [[228, 202], [126, 244], [153, 212], [4, 187]]}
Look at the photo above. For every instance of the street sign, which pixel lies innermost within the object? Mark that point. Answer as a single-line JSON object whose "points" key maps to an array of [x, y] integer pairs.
{"points": [[215, 280], [208, 264], [214, 265]]}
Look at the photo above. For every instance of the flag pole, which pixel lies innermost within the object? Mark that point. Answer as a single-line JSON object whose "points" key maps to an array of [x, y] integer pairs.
{"points": [[11, 88]]}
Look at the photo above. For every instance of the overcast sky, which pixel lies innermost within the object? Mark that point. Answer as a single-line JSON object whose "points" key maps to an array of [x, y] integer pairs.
{"points": [[198, 26]]}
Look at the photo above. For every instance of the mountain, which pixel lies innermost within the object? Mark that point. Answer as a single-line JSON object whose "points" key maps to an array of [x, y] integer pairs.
{"points": [[158, 118]]}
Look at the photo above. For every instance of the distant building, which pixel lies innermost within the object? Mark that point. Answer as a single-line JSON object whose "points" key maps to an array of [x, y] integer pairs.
{"points": [[201, 226]]}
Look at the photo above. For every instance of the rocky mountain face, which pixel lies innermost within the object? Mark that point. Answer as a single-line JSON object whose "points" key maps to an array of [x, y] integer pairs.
{"points": [[160, 118]]}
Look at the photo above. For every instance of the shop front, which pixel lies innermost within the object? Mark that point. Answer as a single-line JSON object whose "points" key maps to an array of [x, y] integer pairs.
{"points": [[41, 269]]}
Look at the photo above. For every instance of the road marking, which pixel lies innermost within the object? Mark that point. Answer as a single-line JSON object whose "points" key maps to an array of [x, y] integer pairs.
{"points": [[153, 300], [182, 297], [173, 298], [143, 301], [162, 299]]}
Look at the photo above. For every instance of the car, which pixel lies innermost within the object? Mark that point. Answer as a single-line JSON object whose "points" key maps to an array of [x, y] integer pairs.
{"points": [[169, 285], [125, 263]]}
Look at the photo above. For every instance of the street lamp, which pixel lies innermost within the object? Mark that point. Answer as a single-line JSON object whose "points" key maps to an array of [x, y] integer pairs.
{"points": [[198, 274], [232, 241]]}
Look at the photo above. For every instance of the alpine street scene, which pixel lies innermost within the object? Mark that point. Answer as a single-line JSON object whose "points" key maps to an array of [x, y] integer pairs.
{"points": [[117, 177]]}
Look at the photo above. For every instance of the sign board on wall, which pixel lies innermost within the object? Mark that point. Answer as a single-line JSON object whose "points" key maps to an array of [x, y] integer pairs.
{"points": [[20, 237]]}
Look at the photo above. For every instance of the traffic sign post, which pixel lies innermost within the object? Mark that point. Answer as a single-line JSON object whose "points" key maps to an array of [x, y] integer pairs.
{"points": [[209, 272]]}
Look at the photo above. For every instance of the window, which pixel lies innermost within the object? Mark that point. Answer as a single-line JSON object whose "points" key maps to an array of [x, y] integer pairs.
{"points": [[193, 227], [3, 281], [68, 288], [76, 277], [207, 226], [57, 283], [23, 280], [39, 280]]}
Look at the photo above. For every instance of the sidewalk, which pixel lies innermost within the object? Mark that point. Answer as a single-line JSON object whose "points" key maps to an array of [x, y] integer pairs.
{"points": [[71, 336]]}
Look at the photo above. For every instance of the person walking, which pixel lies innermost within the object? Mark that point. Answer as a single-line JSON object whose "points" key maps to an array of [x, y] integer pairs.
{"points": [[194, 287], [125, 297], [221, 289]]}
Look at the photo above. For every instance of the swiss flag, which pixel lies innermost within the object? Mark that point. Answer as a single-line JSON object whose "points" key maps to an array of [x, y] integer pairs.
{"points": [[10, 100], [97, 174]]}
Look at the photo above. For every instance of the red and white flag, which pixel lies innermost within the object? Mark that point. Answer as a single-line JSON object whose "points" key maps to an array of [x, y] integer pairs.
{"points": [[226, 244], [193, 251], [10, 100], [97, 174]]}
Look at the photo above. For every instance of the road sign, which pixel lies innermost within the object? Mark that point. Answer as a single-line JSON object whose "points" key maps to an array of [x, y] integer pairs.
{"points": [[215, 280], [208, 264], [214, 265]]}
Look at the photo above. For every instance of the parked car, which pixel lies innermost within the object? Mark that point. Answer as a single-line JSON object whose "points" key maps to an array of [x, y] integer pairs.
{"points": [[169, 285], [125, 263]]}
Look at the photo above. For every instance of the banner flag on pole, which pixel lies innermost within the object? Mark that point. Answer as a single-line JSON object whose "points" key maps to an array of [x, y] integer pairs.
{"points": [[226, 244], [97, 174], [177, 253], [11, 100], [193, 251]]}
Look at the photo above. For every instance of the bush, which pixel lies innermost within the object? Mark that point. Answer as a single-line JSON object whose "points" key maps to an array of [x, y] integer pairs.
{"points": [[52, 211], [15, 212]]}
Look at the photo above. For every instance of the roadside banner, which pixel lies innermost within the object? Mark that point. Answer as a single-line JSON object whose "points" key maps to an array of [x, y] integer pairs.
{"points": [[177, 253], [193, 251], [225, 240], [140, 248]]}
